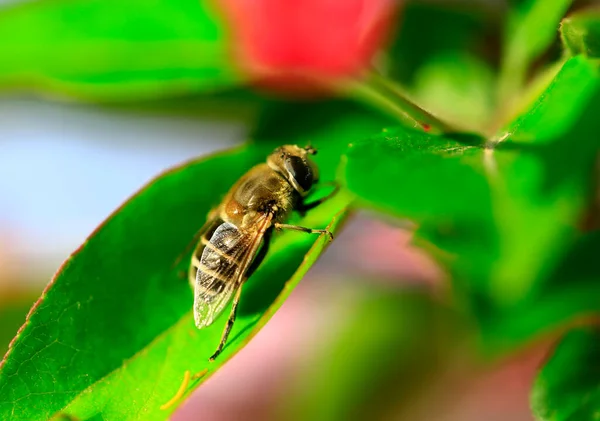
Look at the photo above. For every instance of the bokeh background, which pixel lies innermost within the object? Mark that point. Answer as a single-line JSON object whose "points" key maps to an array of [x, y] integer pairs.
{"points": [[66, 165]]}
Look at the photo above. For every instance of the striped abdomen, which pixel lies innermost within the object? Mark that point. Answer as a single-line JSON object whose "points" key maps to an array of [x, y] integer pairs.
{"points": [[216, 260]]}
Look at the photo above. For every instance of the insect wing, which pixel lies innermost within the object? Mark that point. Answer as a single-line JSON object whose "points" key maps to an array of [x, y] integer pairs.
{"points": [[207, 229], [216, 275], [224, 262]]}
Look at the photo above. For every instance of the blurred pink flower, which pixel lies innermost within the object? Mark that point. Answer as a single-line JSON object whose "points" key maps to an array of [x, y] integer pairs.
{"points": [[292, 46]]}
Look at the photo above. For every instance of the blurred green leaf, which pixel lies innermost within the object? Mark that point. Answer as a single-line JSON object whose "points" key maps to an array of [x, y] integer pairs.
{"points": [[386, 352], [532, 26], [423, 170], [566, 388], [113, 334], [570, 294], [504, 214], [559, 106], [458, 86], [581, 33], [114, 51], [540, 207], [529, 95]]}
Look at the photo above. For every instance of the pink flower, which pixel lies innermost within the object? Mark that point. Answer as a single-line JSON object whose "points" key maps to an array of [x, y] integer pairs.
{"points": [[292, 45]]}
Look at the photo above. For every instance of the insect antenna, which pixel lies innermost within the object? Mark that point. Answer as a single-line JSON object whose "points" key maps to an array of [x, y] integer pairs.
{"points": [[310, 149]]}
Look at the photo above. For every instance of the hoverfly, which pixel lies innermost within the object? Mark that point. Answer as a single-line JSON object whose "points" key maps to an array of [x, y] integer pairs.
{"points": [[235, 239]]}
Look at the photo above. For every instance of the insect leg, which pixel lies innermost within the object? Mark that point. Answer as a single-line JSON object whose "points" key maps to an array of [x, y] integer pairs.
{"points": [[261, 254], [304, 229], [229, 325], [308, 206]]}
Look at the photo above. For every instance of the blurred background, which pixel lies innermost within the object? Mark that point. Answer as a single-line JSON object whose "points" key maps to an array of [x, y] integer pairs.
{"points": [[65, 165]]}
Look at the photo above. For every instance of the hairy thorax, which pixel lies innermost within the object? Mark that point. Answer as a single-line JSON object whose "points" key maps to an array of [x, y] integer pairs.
{"points": [[262, 190]]}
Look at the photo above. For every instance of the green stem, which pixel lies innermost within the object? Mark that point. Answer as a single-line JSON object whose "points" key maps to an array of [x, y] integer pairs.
{"points": [[384, 94]]}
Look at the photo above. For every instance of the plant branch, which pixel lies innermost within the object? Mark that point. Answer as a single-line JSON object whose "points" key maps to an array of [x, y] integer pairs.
{"points": [[387, 96]]}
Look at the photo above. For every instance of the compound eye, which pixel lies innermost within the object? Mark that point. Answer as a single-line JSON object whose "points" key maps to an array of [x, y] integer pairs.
{"points": [[301, 171]]}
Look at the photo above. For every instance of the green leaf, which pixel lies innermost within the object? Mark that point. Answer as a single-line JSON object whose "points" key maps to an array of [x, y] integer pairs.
{"points": [[113, 334], [529, 94], [556, 142], [531, 28], [114, 51], [503, 214], [116, 320], [423, 170], [570, 295], [566, 389], [580, 33], [559, 106]]}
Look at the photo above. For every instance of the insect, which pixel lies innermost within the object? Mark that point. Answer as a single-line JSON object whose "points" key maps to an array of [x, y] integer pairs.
{"points": [[235, 239]]}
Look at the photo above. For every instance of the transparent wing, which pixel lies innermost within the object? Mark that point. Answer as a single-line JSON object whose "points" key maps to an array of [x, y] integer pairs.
{"points": [[222, 267], [207, 229]]}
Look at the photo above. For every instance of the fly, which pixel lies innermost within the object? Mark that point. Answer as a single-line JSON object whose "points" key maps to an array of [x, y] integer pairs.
{"points": [[235, 239]]}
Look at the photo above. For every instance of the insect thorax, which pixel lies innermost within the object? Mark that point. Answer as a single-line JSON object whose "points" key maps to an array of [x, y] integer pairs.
{"points": [[265, 191]]}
